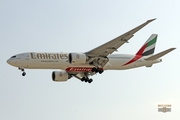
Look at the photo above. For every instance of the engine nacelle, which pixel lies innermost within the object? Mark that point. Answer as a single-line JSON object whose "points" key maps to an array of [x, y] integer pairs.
{"points": [[77, 58], [60, 76]]}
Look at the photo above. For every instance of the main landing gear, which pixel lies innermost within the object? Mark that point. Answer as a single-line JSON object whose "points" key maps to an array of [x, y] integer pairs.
{"points": [[97, 69], [86, 80], [23, 72]]}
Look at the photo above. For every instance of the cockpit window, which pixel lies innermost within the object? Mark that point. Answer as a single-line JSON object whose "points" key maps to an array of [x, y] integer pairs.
{"points": [[13, 57]]}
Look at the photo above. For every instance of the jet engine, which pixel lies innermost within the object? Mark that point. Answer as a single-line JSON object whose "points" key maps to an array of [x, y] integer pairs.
{"points": [[60, 76], [77, 58]]}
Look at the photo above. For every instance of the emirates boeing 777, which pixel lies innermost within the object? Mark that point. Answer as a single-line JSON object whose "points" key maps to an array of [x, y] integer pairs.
{"points": [[85, 64]]}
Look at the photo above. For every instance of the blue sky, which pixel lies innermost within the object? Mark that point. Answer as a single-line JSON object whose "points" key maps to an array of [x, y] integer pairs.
{"points": [[79, 26]]}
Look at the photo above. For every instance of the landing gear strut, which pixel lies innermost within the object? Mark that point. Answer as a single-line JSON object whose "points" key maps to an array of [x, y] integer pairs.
{"points": [[23, 72]]}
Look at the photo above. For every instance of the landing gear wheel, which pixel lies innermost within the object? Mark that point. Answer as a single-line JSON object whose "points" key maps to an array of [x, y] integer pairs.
{"points": [[23, 74], [86, 80], [82, 79], [95, 69], [101, 71], [90, 80]]}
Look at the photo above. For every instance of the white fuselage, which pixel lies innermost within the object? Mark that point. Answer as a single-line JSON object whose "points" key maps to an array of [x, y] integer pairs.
{"points": [[33, 60]]}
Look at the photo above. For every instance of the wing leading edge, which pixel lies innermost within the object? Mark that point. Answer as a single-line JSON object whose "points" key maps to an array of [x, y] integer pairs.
{"points": [[111, 46]]}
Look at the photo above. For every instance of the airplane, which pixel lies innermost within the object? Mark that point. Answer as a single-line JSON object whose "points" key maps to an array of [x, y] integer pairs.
{"points": [[85, 64]]}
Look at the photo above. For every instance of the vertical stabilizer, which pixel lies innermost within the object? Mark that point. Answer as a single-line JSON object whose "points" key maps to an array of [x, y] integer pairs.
{"points": [[148, 47]]}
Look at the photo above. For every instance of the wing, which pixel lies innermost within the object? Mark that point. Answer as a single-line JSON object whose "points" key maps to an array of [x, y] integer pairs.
{"points": [[111, 46], [98, 56]]}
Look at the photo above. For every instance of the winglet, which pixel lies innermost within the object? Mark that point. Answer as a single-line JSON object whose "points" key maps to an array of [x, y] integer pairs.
{"points": [[151, 20], [156, 56]]}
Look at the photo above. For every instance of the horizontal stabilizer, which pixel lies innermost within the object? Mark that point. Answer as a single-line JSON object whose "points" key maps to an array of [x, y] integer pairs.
{"points": [[156, 56]]}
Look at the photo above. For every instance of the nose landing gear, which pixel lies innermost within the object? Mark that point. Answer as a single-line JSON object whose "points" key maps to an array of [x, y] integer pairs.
{"points": [[23, 71]]}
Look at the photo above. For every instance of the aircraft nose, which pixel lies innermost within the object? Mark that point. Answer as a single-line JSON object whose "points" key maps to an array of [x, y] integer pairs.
{"points": [[8, 61]]}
